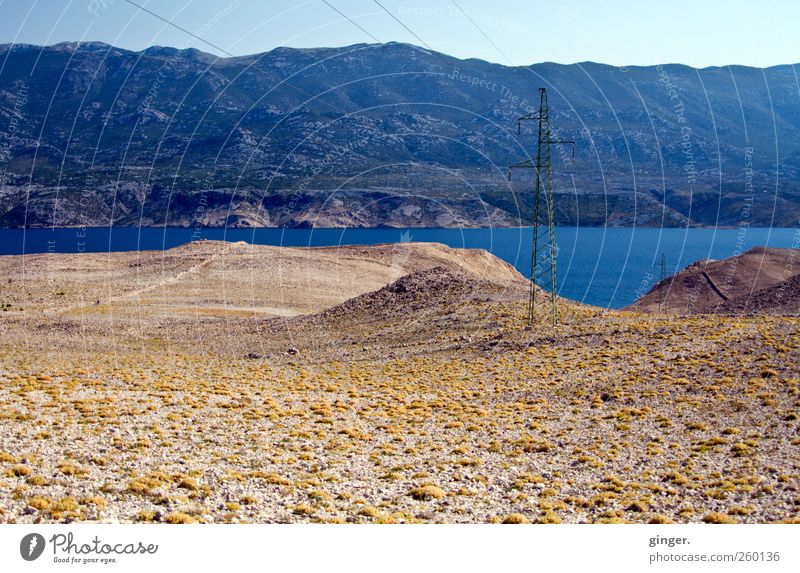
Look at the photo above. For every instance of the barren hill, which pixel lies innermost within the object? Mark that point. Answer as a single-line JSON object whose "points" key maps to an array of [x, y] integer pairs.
{"points": [[415, 292], [749, 282], [215, 278]]}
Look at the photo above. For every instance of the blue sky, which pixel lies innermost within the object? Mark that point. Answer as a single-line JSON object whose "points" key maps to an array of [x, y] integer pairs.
{"points": [[620, 32]]}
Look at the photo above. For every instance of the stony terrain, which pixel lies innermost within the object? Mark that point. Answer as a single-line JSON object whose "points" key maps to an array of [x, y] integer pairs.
{"points": [[398, 383]]}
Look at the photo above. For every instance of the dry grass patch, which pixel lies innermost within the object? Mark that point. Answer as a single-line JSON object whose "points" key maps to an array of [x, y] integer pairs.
{"points": [[515, 518], [427, 492]]}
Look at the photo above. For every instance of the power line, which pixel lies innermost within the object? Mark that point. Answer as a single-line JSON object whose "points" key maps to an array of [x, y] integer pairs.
{"points": [[545, 140], [353, 22], [226, 52], [662, 297], [396, 19], [478, 28], [174, 25], [544, 186]]}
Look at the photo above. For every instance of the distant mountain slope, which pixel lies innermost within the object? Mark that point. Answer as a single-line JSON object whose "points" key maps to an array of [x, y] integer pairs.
{"points": [[384, 135], [761, 280]]}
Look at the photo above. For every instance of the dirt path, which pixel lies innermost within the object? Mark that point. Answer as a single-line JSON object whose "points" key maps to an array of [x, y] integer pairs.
{"points": [[193, 270]]}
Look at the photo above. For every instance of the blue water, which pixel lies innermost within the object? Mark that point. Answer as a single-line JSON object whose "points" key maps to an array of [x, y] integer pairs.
{"points": [[607, 267]]}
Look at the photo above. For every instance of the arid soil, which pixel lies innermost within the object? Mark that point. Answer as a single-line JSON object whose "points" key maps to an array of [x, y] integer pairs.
{"points": [[223, 382]]}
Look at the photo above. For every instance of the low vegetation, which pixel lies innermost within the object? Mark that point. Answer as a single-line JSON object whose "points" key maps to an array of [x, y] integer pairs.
{"points": [[440, 410]]}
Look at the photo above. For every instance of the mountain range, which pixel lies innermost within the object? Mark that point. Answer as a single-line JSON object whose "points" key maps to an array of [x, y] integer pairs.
{"points": [[385, 135]]}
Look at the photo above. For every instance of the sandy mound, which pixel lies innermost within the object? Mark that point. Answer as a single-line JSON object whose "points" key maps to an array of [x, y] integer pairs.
{"points": [[737, 284]]}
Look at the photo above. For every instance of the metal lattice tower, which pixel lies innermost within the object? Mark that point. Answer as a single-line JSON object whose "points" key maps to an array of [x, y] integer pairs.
{"points": [[544, 185], [663, 294]]}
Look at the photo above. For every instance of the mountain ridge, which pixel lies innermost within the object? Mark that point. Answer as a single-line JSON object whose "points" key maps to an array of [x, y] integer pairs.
{"points": [[158, 47], [384, 134]]}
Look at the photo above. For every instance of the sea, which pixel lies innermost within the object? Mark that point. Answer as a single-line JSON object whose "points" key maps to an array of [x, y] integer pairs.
{"points": [[607, 267]]}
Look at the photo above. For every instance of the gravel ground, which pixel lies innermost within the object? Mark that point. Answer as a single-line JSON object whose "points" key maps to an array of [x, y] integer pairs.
{"points": [[426, 401]]}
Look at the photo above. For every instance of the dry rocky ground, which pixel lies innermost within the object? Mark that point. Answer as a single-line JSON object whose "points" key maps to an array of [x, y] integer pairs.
{"points": [[231, 383]]}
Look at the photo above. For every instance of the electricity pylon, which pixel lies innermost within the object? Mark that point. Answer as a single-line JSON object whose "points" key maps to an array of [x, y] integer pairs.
{"points": [[662, 295], [544, 171]]}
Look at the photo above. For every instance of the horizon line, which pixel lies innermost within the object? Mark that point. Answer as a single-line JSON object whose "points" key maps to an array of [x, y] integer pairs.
{"points": [[383, 44]]}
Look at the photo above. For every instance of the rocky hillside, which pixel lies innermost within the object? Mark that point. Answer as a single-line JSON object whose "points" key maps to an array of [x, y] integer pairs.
{"points": [[761, 280], [390, 134]]}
